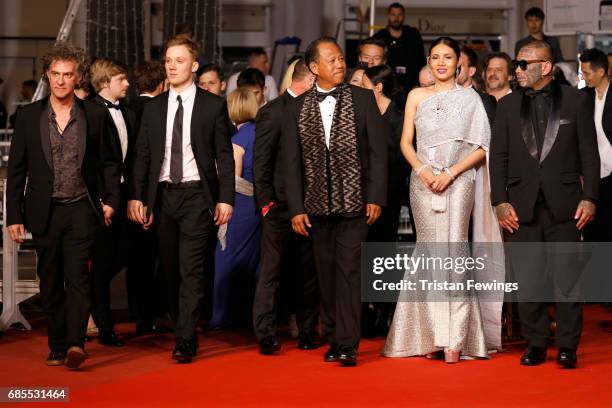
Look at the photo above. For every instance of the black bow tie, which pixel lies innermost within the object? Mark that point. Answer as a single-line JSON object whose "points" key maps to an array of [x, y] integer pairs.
{"points": [[532, 93], [110, 105], [322, 95]]}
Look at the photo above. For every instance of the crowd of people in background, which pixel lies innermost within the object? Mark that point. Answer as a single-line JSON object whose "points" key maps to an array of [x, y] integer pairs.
{"points": [[209, 174]]}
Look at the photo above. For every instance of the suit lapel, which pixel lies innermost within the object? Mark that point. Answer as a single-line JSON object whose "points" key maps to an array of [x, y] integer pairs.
{"points": [[527, 130], [552, 127], [164, 118], [45, 135], [195, 122], [81, 129], [607, 107]]}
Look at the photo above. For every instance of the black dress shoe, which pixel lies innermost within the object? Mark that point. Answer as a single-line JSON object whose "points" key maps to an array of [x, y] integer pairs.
{"points": [[110, 339], [331, 354], [269, 345], [566, 358], [533, 356], [184, 351], [145, 328], [307, 342], [56, 358], [348, 356]]}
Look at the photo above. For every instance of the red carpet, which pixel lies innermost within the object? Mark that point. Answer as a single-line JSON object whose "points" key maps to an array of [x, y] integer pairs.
{"points": [[230, 372]]}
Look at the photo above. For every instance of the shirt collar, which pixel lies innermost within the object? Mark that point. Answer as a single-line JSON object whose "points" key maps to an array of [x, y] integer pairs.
{"points": [[147, 95], [290, 92], [185, 95], [603, 98], [319, 89]]}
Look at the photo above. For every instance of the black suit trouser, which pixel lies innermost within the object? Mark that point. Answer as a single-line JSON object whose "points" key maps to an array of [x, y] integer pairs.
{"points": [[123, 244], [279, 243], [535, 323], [185, 225], [63, 251], [337, 254]]}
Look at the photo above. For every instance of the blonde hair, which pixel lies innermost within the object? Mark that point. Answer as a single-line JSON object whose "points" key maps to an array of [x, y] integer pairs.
{"points": [[102, 70], [242, 106], [287, 79], [191, 45]]}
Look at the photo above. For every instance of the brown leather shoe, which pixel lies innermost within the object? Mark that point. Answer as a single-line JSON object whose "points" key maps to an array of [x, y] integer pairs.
{"points": [[75, 357], [56, 358]]}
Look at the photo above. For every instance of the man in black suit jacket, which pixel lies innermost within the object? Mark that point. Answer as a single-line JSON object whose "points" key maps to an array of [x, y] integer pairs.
{"points": [[184, 173], [144, 286], [543, 146], [112, 250], [468, 63], [406, 53], [62, 148], [594, 67], [278, 242], [336, 184]]}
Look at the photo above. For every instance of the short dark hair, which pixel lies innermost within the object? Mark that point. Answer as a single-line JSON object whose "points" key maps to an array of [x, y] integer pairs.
{"points": [[396, 5], [382, 74], [500, 55], [534, 12], [374, 41], [471, 56], [596, 58], [312, 52], [300, 70], [65, 52], [149, 75], [251, 77], [449, 42], [210, 68]]}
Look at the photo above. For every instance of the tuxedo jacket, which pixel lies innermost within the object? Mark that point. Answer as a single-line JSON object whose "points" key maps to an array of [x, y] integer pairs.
{"points": [[606, 119], [566, 171], [30, 159], [267, 166], [490, 104], [130, 123], [372, 141], [210, 142]]}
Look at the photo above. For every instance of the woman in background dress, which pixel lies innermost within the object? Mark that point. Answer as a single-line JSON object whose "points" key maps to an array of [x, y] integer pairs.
{"points": [[453, 136], [237, 252]]}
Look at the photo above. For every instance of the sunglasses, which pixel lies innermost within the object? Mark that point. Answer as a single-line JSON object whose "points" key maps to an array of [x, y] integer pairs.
{"points": [[523, 64]]}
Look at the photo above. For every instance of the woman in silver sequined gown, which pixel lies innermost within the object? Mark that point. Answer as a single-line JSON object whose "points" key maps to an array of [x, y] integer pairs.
{"points": [[453, 136]]}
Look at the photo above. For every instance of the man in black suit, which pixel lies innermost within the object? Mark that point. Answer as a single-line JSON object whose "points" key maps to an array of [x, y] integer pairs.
{"points": [[406, 53], [544, 169], [112, 247], [144, 286], [594, 66], [184, 174], [61, 147], [468, 63], [336, 184], [278, 242]]}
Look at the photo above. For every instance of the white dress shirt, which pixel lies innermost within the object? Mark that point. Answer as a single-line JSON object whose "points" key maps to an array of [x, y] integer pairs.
{"points": [[119, 121], [190, 168], [605, 149], [327, 107]]}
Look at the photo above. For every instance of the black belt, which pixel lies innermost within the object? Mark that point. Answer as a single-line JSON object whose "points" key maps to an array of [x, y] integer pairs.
{"points": [[180, 186]]}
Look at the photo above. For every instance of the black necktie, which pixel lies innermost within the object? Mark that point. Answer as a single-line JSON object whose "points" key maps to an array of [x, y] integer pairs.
{"points": [[322, 95], [176, 153]]}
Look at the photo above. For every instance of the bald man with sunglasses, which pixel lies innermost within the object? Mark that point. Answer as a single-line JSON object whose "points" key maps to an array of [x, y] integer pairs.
{"points": [[544, 167]]}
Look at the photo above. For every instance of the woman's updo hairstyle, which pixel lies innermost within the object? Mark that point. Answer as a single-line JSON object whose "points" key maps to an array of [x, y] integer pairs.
{"points": [[449, 42]]}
